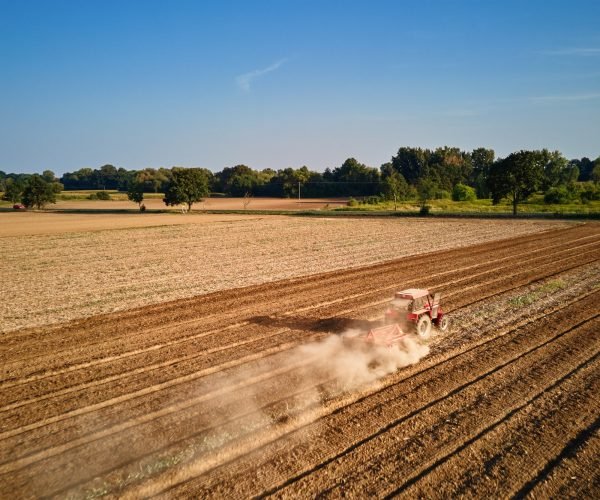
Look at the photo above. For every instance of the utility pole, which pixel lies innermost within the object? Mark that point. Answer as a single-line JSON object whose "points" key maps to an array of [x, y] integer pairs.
{"points": [[298, 192]]}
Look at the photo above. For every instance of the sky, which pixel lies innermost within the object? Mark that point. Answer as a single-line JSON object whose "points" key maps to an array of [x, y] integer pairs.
{"points": [[276, 84]]}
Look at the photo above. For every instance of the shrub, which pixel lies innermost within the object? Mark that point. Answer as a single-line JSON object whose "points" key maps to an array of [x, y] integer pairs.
{"points": [[352, 202], [102, 195], [588, 192], [425, 210], [372, 200], [557, 195], [461, 192]]}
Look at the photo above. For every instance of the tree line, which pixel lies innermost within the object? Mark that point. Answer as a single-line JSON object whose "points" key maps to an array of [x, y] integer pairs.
{"points": [[419, 173]]}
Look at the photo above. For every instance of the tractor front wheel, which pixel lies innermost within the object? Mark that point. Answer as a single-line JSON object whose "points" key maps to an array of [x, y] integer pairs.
{"points": [[443, 324], [424, 327]]}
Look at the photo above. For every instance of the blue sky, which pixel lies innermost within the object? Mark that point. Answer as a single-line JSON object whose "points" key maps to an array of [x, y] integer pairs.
{"points": [[291, 83]]}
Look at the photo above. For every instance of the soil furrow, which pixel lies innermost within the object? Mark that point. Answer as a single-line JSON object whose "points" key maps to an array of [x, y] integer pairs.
{"points": [[207, 396], [549, 346], [576, 473], [237, 301], [524, 447], [412, 392], [232, 329], [80, 410]]}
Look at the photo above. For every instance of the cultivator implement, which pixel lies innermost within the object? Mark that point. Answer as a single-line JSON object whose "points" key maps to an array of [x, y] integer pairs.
{"points": [[387, 336]]}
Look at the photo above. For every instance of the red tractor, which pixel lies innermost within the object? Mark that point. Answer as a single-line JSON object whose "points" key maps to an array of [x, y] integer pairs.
{"points": [[416, 309], [411, 311]]}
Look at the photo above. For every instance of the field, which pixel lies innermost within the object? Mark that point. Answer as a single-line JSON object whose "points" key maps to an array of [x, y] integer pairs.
{"points": [[243, 385], [73, 201]]}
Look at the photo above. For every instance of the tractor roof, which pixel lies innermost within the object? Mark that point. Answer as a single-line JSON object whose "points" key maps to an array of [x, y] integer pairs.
{"points": [[413, 293]]}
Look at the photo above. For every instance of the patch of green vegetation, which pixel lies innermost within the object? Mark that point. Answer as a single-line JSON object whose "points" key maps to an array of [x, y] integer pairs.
{"points": [[544, 289], [535, 205], [553, 286], [522, 300]]}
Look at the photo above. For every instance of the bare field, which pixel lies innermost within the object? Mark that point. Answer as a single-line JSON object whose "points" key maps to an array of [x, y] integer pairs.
{"points": [[37, 223], [60, 276], [207, 204], [250, 392]]}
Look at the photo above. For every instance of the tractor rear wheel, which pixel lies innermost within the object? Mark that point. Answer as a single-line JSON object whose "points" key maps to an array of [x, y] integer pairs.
{"points": [[443, 324], [424, 327]]}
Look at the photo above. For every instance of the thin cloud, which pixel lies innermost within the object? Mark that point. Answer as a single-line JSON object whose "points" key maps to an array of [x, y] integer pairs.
{"points": [[575, 51], [244, 81], [566, 97]]}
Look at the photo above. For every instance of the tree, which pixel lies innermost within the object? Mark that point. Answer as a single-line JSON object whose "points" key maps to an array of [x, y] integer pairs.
{"points": [[48, 176], [412, 163], [482, 159], [557, 170], [360, 179], [461, 192], [187, 185], [38, 193], [517, 176], [135, 193], [596, 173], [395, 188], [426, 189], [13, 190], [449, 166], [585, 166]]}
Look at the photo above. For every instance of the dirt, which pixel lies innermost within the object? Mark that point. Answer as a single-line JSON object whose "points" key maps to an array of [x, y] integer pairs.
{"points": [[207, 396], [207, 204], [52, 278], [38, 223]]}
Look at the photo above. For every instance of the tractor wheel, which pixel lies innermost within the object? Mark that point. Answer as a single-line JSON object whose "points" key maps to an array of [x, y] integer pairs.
{"points": [[443, 324], [424, 327]]}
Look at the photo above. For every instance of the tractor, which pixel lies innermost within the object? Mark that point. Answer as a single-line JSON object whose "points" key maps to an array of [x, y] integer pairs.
{"points": [[416, 309], [411, 311]]}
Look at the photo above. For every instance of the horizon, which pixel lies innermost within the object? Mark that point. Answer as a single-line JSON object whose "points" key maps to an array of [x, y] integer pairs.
{"points": [[277, 85]]}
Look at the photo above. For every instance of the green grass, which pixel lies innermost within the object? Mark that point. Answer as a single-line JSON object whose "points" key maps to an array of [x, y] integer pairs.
{"points": [[535, 205], [114, 195]]}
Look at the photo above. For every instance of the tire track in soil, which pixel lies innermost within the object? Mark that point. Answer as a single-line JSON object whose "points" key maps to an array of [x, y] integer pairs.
{"points": [[524, 447], [19, 415], [148, 363], [61, 430], [576, 471], [383, 406], [85, 353], [564, 306], [295, 493], [454, 428], [80, 399], [79, 461], [237, 302], [480, 266]]}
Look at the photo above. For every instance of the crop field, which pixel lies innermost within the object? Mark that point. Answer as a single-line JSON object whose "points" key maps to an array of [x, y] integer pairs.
{"points": [[243, 384], [54, 267]]}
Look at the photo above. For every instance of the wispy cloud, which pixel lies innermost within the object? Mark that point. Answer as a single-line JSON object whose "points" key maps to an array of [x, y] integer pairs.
{"points": [[566, 97], [244, 81], [574, 51]]}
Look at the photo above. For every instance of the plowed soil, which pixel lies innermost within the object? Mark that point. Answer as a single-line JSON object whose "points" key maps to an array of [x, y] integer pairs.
{"points": [[226, 395]]}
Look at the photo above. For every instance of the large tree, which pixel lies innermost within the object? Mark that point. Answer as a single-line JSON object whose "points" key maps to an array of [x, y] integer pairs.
{"points": [[449, 166], [412, 163], [187, 186], [517, 176], [38, 193], [482, 159], [13, 190], [135, 193]]}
